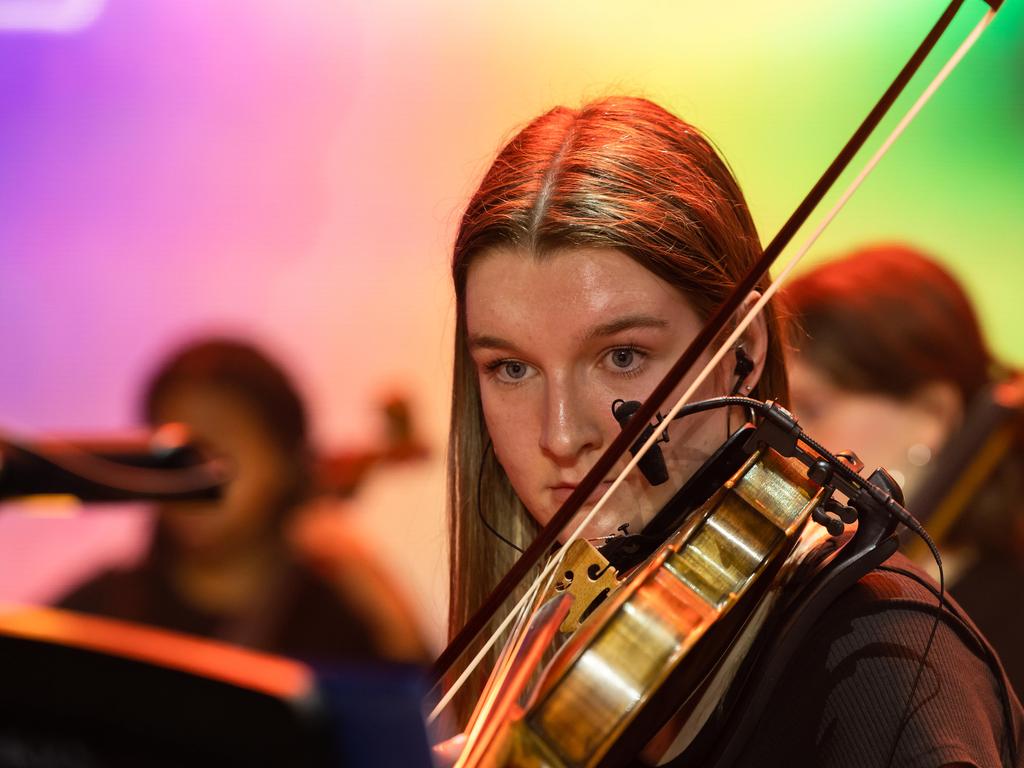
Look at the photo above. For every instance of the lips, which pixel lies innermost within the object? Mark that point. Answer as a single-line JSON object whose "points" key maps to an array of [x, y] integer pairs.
{"points": [[562, 491]]}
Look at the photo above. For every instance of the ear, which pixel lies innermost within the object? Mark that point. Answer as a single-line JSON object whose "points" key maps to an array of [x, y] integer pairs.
{"points": [[755, 345]]}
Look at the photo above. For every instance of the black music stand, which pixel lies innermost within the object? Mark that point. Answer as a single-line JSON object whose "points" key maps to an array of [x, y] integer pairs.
{"points": [[84, 692]]}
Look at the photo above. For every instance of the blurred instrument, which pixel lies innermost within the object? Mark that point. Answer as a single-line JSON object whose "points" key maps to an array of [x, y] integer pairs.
{"points": [[342, 472], [168, 466], [164, 466], [993, 427]]}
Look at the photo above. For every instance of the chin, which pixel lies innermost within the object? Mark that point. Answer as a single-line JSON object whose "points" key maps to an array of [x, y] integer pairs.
{"points": [[605, 524], [196, 536]]}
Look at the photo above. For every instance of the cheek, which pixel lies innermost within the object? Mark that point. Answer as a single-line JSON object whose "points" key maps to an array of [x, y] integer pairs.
{"points": [[510, 440], [259, 487], [513, 429], [874, 429]]}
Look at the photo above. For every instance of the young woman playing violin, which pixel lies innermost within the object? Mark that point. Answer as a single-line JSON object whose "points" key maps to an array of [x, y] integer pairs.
{"points": [[597, 243]]}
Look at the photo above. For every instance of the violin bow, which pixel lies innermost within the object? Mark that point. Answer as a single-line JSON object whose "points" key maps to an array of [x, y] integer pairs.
{"points": [[712, 328]]}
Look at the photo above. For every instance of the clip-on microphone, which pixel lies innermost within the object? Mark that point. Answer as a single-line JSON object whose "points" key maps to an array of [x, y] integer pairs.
{"points": [[652, 465]]}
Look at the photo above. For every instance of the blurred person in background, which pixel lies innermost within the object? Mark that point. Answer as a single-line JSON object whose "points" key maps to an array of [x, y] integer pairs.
{"points": [[272, 565], [887, 356]]}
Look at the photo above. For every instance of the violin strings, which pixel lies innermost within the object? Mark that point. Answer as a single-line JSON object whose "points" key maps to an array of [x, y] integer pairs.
{"points": [[516, 612], [506, 660], [492, 688], [475, 662]]}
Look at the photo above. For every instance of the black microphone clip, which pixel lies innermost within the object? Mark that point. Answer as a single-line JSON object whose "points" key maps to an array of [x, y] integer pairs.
{"points": [[652, 464]]}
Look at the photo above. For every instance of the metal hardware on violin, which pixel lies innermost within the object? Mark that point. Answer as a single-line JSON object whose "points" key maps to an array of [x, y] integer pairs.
{"points": [[779, 431], [588, 577], [714, 325], [628, 550]]}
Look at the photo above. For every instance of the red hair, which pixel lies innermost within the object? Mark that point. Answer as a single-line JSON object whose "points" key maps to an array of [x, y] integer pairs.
{"points": [[888, 319]]}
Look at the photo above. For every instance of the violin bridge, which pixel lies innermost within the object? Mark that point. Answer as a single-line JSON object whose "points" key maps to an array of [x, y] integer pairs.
{"points": [[586, 575]]}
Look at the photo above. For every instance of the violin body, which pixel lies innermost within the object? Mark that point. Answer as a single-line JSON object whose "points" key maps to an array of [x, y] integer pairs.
{"points": [[653, 651]]}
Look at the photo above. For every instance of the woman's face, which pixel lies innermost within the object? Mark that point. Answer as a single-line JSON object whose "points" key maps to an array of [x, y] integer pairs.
{"points": [[555, 341], [260, 473], [901, 435]]}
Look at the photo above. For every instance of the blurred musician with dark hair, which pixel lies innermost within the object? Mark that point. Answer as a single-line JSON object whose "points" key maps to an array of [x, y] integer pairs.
{"points": [[270, 565], [888, 356]]}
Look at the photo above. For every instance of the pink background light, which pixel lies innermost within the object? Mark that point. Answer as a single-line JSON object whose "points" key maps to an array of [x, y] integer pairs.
{"points": [[293, 173]]}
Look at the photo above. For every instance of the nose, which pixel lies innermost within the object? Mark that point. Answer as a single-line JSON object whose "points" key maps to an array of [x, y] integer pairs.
{"points": [[570, 426]]}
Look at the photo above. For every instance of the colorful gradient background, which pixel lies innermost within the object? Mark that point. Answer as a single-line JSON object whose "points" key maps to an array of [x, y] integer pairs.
{"points": [[293, 172]]}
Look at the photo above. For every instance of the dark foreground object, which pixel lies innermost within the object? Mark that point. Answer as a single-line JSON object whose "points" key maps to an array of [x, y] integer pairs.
{"points": [[83, 692]]}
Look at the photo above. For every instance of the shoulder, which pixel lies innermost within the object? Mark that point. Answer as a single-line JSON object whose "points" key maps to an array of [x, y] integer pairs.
{"points": [[897, 607], [887, 674], [332, 549]]}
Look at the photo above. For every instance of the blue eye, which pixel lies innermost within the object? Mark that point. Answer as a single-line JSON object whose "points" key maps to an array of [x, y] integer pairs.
{"points": [[514, 369], [625, 361], [509, 371], [623, 358]]}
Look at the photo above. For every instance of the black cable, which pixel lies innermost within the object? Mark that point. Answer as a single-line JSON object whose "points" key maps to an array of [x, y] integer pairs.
{"points": [[903, 516], [479, 500], [905, 717], [733, 392], [910, 522], [990, 657]]}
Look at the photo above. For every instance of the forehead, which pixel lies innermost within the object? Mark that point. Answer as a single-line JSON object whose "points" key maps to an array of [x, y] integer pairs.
{"points": [[209, 409], [568, 291]]}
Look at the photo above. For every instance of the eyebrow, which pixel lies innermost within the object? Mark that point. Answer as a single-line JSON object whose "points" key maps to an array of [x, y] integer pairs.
{"points": [[628, 322], [481, 341]]}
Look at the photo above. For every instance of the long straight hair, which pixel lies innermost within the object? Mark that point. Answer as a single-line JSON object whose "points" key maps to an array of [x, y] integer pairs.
{"points": [[618, 173]]}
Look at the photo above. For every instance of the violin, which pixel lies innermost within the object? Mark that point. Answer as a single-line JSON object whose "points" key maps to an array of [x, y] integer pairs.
{"points": [[666, 643], [666, 640]]}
